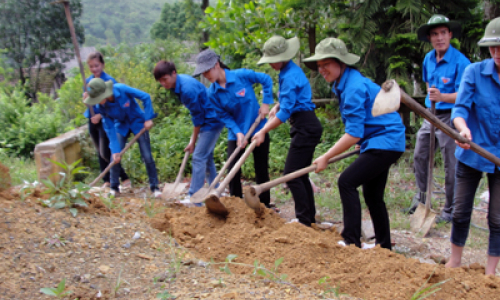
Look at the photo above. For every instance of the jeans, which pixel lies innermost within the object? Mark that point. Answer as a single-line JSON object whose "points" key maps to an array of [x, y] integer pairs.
{"points": [[421, 160], [203, 160], [101, 142], [466, 183], [370, 170], [145, 149], [305, 133], [261, 166]]}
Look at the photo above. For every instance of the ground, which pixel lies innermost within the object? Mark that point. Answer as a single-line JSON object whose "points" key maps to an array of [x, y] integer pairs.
{"points": [[138, 248]]}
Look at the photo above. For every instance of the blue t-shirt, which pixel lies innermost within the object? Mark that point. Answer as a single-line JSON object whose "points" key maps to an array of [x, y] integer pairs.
{"points": [[478, 103], [357, 94], [295, 92], [445, 75], [104, 77], [125, 114], [193, 94], [236, 104]]}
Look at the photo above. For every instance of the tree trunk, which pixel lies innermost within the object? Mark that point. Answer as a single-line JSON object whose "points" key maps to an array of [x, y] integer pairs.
{"points": [[491, 10], [204, 34]]}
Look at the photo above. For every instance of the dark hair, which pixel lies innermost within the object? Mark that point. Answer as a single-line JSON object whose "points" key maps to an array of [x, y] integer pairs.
{"points": [[163, 68], [96, 55], [222, 65]]}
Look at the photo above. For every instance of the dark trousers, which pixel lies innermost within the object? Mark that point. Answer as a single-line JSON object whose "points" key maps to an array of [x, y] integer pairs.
{"points": [[370, 170], [466, 182], [261, 165], [101, 142], [305, 133]]}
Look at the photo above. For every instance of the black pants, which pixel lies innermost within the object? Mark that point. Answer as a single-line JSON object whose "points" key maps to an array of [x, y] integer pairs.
{"points": [[370, 170], [101, 142], [261, 165], [306, 133]]}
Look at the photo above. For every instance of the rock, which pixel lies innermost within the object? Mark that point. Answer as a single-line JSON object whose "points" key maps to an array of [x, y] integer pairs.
{"points": [[93, 286], [104, 269], [230, 296], [127, 246], [216, 284], [137, 236], [100, 275]]}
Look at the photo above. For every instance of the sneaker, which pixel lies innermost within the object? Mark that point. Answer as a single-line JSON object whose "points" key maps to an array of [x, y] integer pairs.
{"points": [[367, 246], [113, 193], [126, 186], [157, 194], [342, 243]]}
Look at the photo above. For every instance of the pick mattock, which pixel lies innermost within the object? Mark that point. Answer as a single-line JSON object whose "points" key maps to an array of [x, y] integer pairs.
{"points": [[252, 193], [172, 190], [69, 19], [203, 192], [423, 217], [212, 201], [380, 107], [136, 137]]}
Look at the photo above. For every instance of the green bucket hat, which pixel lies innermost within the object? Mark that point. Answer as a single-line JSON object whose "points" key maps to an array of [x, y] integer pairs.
{"points": [[331, 48], [98, 90], [278, 49], [435, 21], [491, 34]]}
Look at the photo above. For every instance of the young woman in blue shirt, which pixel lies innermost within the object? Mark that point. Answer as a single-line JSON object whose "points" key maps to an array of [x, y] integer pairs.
{"points": [[233, 97], [122, 115], [295, 104], [206, 125], [381, 141], [476, 116], [95, 61]]}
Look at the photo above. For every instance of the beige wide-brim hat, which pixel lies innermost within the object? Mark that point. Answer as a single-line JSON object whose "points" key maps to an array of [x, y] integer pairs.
{"points": [[331, 48], [98, 90], [278, 49]]}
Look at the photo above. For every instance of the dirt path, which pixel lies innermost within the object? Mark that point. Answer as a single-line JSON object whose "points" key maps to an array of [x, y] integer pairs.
{"points": [[170, 253]]}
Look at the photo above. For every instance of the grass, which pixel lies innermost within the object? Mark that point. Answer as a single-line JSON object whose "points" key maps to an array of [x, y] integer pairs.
{"points": [[21, 169]]}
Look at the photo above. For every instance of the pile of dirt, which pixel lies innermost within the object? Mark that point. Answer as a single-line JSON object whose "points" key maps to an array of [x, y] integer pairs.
{"points": [[310, 254], [5, 181]]}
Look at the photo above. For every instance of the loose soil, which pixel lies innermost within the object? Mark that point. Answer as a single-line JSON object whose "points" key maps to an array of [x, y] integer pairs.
{"points": [[100, 256], [5, 180]]}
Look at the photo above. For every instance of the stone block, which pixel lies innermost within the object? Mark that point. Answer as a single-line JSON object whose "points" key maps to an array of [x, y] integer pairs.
{"points": [[64, 148]]}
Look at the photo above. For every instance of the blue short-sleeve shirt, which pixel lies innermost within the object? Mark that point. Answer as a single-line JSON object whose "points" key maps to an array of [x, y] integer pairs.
{"points": [[478, 103], [445, 75], [125, 114], [105, 77], [295, 92], [193, 94], [236, 104], [357, 94]]}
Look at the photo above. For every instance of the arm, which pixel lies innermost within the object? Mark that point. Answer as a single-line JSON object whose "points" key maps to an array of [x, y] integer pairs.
{"points": [[223, 115], [149, 113], [109, 127], [344, 143], [192, 141], [464, 131], [436, 96], [461, 111], [264, 79]]}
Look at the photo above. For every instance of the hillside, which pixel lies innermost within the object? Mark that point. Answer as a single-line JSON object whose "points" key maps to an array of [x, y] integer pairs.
{"points": [[119, 20]]}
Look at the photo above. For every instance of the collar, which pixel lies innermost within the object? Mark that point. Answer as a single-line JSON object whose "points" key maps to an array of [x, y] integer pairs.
{"points": [[178, 84], [340, 87], [448, 56], [287, 68], [116, 93], [490, 70], [230, 78]]}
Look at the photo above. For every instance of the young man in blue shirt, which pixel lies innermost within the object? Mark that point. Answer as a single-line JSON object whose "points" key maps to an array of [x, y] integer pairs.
{"points": [[122, 115], [206, 125], [442, 71]]}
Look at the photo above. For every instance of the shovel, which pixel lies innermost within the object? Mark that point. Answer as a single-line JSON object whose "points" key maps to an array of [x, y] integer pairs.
{"points": [[136, 137], [419, 109], [172, 190], [200, 195], [423, 217], [212, 201], [252, 194]]}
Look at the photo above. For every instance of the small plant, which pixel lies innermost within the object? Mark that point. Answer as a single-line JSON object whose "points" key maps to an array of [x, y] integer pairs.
{"points": [[118, 282], [165, 295], [423, 293], [56, 241], [27, 189], [328, 289], [149, 207], [58, 292], [66, 192]]}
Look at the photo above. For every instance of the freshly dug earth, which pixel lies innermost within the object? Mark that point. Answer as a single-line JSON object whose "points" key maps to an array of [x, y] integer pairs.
{"points": [[5, 181], [310, 254]]}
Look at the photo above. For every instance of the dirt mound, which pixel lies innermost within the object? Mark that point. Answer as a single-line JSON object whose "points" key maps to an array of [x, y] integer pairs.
{"points": [[310, 254], [5, 181]]}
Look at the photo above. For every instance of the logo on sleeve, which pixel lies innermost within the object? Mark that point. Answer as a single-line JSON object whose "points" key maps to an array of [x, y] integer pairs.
{"points": [[127, 104], [445, 80], [241, 93]]}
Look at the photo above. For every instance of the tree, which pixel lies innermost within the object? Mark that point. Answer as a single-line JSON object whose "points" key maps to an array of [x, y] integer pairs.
{"points": [[35, 32], [178, 20]]}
